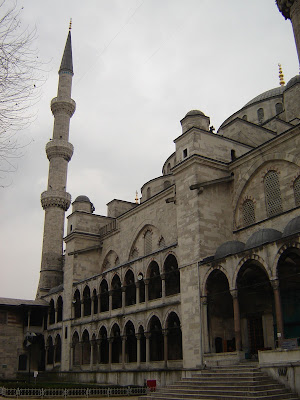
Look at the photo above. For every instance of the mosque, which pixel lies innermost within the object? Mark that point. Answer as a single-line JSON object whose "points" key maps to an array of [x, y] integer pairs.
{"points": [[204, 269]]}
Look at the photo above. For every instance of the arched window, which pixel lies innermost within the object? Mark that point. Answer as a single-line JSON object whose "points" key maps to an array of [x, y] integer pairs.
{"points": [[141, 290], [130, 289], [148, 242], [116, 344], [245, 118], [116, 292], [76, 349], [104, 347], [172, 275], [131, 343], [278, 108], [95, 302], [272, 192], [260, 115], [248, 212], [50, 350], [52, 312], [59, 309], [156, 340], [57, 349], [297, 191], [77, 304], [154, 287], [104, 296], [174, 337], [86, 348], [86, 301]]}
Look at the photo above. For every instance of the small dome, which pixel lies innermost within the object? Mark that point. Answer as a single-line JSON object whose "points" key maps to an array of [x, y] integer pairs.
{"points": [[194, 112], [261, 237], [83, 198], [228, 248], [292, 227], [292, 82]]}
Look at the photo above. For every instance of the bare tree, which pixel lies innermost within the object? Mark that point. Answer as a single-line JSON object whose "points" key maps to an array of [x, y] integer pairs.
{"points": [[20, 79]]}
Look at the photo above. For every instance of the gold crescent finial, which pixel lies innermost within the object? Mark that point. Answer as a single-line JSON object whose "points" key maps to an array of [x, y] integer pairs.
{"points": [[136, 198], [281, 76], [70, 25]]}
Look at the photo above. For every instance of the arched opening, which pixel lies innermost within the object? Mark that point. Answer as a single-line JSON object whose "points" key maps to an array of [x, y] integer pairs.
{"points": [[141, 290], [94, 349], [154, 287], [76, 349], [116, 351], [87, 301], [51, 312], [278, 108], [156, 340], [172, 275], [131, 343], [142, 343], [272, 193], [95, 302], [130, 289], [220, 313], [59, 309], [174, 337], [104, 296], [77, 304], [255, 297], [289, 284], [86, 348], [50, 350], [57, 349], [104, 346], [116, 292]]}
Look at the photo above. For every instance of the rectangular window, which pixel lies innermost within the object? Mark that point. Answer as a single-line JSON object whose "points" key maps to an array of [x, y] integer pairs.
{"points": [[185, 153]]}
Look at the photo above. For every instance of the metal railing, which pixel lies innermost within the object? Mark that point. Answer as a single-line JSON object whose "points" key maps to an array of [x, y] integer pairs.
{"points": [[73, 392]]}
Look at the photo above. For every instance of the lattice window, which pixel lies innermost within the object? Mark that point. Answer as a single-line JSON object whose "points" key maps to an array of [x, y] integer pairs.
{"points": [[161, 243], [260, 115], [148, 242], [297, 191], [272, 192], [248, 212]]}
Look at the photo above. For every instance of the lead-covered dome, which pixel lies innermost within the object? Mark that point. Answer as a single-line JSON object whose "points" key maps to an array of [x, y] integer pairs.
{"points": [[267, 95], [83, 199], [194, 112], [292, 227], [292, 82], [228, 248], [261, 237]]}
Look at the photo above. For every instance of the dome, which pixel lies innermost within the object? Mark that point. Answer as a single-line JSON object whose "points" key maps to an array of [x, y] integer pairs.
{"points": [[228, 248], [267, 95], [292, 82], [292, 227], [83, 198], [261, 237], [195, 112]]}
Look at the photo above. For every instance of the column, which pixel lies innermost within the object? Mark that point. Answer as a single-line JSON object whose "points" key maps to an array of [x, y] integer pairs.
{"points": [[146, 281], [123, 297], [237, 320], [28, 320], [99, 303], [163, 285], [98, 344], [137, 292], [110, 301], [278, 311], [147, 335], [123, 351], [82, 308], [138, 350], [92, 342], [110, 340], [205, 333], [165, 333]]}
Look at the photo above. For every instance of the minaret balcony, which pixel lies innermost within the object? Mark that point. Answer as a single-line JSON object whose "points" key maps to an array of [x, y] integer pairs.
{"points": [[56, 198], [63, 105], [59, 148]]}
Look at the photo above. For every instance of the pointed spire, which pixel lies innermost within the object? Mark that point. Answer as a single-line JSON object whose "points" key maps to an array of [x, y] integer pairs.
{"points": [[281, 76], [136, 198], [67, 61]]}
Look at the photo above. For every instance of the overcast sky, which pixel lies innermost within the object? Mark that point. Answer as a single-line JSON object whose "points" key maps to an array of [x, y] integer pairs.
{"points": [[140, 66]]}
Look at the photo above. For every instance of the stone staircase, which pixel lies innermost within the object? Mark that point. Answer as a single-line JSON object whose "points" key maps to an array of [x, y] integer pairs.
{"points": [[226, 383]]}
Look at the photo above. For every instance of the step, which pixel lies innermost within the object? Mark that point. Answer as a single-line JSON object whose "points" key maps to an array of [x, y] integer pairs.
{"points": [[187, 394], [288, 396]]}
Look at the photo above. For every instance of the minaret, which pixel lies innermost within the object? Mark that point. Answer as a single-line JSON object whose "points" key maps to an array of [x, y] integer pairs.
{"points": [[290, 9], [55, 200]]}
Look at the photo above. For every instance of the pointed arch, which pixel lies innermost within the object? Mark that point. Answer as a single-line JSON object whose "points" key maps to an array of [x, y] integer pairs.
{"points": [[51, 312], [104, 296], [172, 275], [116, 292], [155, 284], [87, 302], [130, 288], [77, 304], [59, 309], [174, 337]]}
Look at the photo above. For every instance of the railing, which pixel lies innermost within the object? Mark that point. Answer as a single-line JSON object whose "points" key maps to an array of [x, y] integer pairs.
{"points": [[75, 392], [112, 226]]}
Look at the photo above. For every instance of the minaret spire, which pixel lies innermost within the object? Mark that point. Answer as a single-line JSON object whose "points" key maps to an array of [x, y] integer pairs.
{"points": [[55, 200]]}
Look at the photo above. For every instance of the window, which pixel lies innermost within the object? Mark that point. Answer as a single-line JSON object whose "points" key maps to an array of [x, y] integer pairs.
{"points": [[272, 192], [260, 115], [184, 153], [245, 118], [148, 242], [297, 191], [278, 108], [248, 212]]}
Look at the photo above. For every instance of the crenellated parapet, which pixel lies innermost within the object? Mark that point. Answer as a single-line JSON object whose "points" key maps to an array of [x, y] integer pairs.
{"points": [[67, 106], [59, 148], [55, 198], [285, 7]]}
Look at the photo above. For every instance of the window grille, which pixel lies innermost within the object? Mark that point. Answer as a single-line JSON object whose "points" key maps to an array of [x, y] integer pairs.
{"points": [[272, 192], [260, 115], [148, 242], [297, 191], [248, 212]]}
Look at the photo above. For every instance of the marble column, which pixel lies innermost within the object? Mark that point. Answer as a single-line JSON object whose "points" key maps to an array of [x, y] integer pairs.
{"points": [[237, 320], [278, 311]]}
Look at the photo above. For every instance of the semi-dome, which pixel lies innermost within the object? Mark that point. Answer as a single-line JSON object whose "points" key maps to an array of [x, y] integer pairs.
{"points": [[267, 95], [292, 227], [83, 198], [228, 248], [292, 82], [194, 112], [261, 237]]}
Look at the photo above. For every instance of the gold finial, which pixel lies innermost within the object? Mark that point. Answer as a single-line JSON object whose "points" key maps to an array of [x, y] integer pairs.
{"points": [[70, 25], [281, 76], [136, 198]]}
